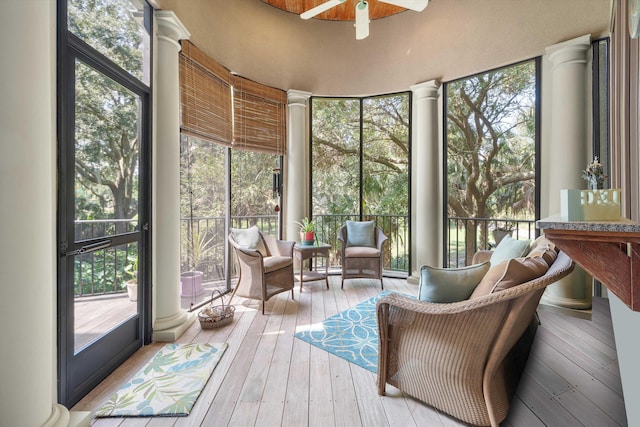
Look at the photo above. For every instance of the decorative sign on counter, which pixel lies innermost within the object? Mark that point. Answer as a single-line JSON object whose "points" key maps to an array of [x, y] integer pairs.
{"points": [[590, 205]]}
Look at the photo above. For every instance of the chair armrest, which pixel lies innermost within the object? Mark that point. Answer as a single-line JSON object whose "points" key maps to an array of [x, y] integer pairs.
{"points": [[380, 238], [481, 256], [279, 247], [442, 341], [342, 236]]}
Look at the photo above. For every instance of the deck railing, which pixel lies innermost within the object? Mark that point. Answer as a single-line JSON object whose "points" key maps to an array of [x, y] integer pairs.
{"points": [[467, 235], [395, 227], [101, 272]]}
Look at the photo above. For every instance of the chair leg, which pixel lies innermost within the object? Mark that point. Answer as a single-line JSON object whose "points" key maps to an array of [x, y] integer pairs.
{"points": [[233, 293], [342, 285], [292, 297], [262, 306], [381, 284]]}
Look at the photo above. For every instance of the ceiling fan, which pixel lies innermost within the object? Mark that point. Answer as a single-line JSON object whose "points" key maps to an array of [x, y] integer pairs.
{"points": [[362, 12]]}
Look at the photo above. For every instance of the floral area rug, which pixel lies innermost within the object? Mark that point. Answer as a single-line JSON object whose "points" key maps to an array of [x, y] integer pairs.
{"points": [[351, 334], [168, 385]]}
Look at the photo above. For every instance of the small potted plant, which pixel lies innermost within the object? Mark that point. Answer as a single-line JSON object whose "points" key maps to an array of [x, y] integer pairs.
{"points": [[132, 284], [200, 248], [307, 231]]}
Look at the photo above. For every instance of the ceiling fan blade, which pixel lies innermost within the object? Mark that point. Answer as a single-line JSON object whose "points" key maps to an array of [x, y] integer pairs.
{"points": [[362, 20], [417, 5], [323, 7]]}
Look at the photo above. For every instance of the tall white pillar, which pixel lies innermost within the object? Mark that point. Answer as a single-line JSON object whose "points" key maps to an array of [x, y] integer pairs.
{"points": [[296, 191], [568, 150], [170, 321], [426, 179], [28, 212]]}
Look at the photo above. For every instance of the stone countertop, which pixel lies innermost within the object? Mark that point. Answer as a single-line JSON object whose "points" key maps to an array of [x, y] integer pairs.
{"points": [[623, 225]]}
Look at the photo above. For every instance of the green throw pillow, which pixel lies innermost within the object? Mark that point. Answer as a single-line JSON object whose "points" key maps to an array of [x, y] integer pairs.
{"points": [[361, 233], [249, 238], [450, 284], [509, 248]]}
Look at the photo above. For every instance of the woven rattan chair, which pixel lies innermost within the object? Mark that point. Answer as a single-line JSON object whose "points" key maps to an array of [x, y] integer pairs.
{"points": [[261, 277], [361, 262], [463, 358]]}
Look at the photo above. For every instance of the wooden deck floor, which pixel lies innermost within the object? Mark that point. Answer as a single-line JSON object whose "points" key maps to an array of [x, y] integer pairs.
{"points": [[269, 378]]}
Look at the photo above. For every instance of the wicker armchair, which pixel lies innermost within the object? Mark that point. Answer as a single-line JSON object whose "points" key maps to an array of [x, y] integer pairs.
{"points": [[361, 262], [261, 277], [463, 358]]}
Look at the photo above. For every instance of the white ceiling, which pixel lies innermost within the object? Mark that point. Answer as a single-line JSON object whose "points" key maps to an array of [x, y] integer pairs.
{"points": [[448, 40]]}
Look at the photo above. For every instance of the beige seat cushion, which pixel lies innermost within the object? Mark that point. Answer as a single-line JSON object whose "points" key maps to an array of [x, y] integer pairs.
{"points": [[549, 255], [543, 247], [361, 252], [510, 273], [542, 243], [273, 263]]}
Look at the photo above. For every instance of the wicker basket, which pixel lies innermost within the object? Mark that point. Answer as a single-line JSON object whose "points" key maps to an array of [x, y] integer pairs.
{"points": [[216, 316]]}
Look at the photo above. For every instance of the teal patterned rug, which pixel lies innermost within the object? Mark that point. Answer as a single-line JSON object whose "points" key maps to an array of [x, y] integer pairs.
{"points": [[168, 385], [351, 335]]}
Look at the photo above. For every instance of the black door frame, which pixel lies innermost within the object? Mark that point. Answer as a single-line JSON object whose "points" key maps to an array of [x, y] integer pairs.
{"points": [[95, 364]]}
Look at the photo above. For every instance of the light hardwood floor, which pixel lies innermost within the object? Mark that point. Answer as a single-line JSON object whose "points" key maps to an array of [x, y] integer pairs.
{"points": [[269, 378]]}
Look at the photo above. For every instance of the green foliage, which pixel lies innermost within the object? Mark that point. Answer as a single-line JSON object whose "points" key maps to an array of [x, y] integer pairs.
{"points": [[111, 28], [342, 136], [306, 225], [200, 247], [491, 143], [132, 268], [336, 153], [203, 179], [491, 147], [105, 271], [107, 141], [203, 198]]}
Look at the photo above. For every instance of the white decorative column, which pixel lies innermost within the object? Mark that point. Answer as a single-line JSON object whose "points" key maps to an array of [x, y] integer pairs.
{"points": [[28, 374], [170, 321], [567, 150], [296, 191], [426, 180]]}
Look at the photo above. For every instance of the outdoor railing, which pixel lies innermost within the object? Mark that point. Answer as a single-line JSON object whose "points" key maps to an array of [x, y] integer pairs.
{"points": [[210, 259], [102, 272], [395, 227], [486, 233]]}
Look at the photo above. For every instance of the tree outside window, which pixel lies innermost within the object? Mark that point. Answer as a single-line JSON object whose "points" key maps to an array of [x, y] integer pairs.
{"points": [[360, 168], [491, 153]]}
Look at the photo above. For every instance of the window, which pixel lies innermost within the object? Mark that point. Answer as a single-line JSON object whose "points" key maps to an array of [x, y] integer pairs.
{"points": [[360, 168], [491, 158], [233, 137]]}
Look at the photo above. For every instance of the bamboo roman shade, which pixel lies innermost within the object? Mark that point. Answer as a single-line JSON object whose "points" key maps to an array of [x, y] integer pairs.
{"points": [[260, 116], [227, 109], [205, 96]]}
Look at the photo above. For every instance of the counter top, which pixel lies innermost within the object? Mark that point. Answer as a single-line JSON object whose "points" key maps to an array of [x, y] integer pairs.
{"points": [[623, 225], [608, 250]]}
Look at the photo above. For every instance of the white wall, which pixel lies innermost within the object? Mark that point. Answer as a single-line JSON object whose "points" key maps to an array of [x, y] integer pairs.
{"points": [[448, 40], [625, 329]]}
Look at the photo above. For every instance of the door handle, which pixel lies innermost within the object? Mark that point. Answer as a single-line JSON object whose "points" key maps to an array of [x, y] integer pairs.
{"points": [[89, 248]]}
